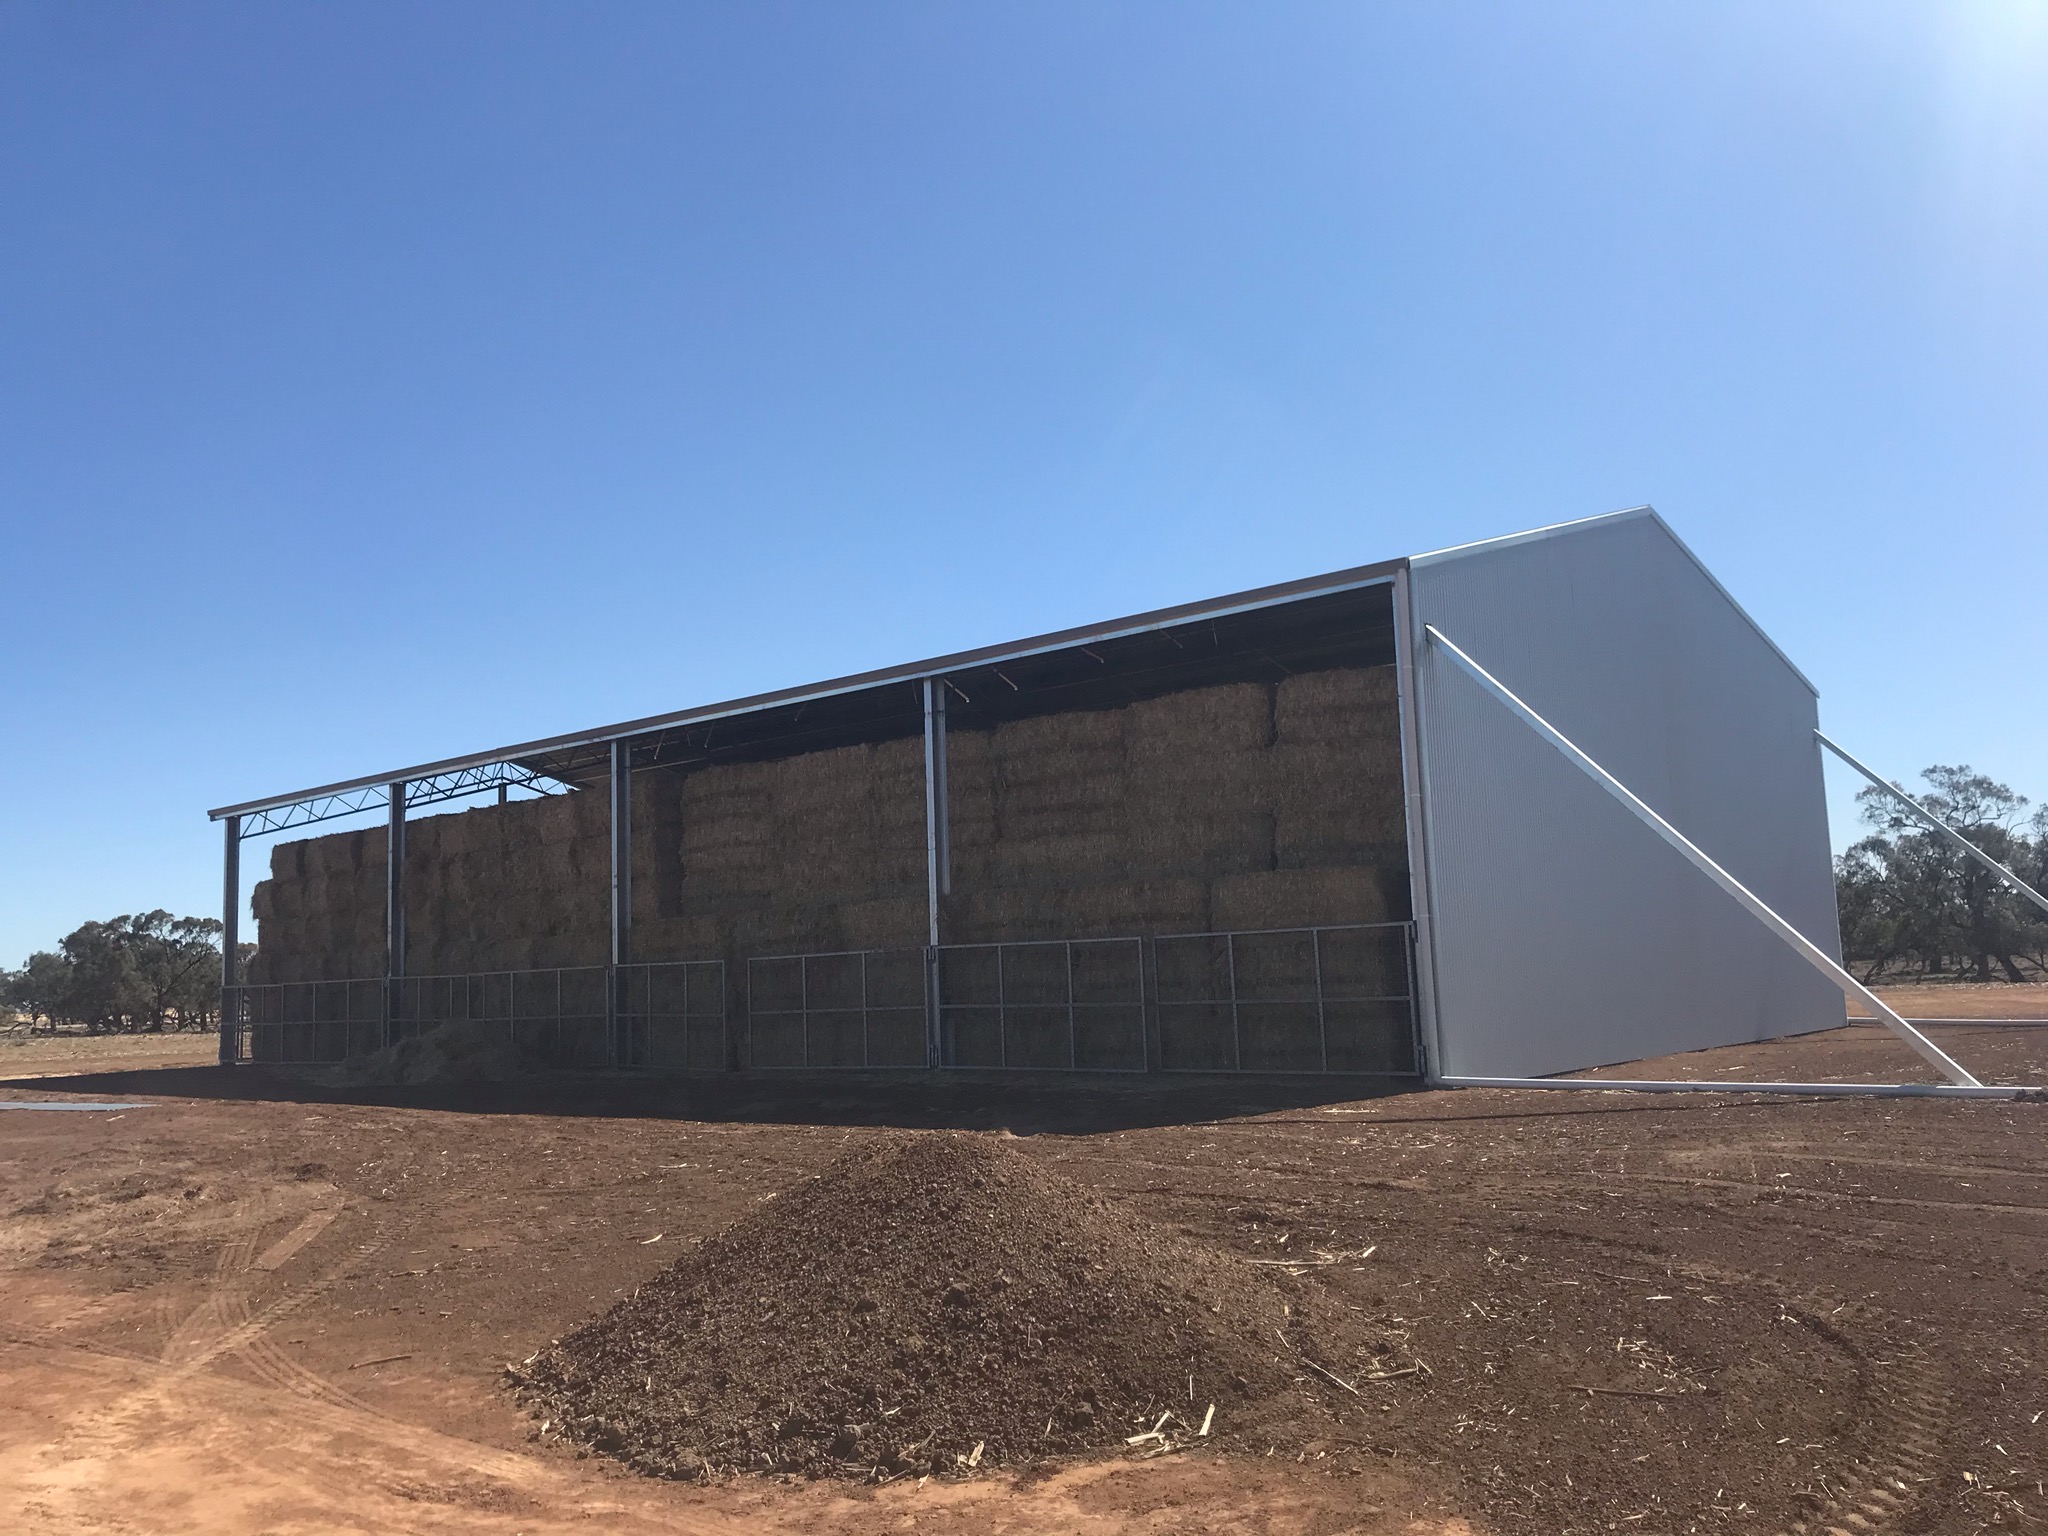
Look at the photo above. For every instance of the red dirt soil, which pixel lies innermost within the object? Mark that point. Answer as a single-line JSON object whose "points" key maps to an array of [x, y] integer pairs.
{"points": [[263, 1307]]}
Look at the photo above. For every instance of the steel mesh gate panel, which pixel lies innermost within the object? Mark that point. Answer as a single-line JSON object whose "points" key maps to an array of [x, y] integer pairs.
{"points": [[1076, 1005], [1332, 999], [559, 1016], [850, 1008], [1336, 999], [307, 1022], [671, 1016]]}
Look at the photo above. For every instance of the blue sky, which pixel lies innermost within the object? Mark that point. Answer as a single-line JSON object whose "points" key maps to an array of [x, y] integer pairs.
{"points": [[379, 382]]}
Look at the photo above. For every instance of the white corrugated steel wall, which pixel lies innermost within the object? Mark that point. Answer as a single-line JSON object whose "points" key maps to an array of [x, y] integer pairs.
{"points": [[1563, 933]]}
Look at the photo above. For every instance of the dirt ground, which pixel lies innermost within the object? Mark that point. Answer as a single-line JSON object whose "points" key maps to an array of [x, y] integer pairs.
{"points": [[1969, 1000], [257, 1305], [25, 1055]]}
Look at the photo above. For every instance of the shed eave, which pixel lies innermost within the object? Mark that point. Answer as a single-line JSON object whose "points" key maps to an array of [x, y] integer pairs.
{"points": [[912, 672]]}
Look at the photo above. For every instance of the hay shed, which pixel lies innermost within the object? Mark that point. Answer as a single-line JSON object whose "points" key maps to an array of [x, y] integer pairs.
{"points": [[1292, 830]]}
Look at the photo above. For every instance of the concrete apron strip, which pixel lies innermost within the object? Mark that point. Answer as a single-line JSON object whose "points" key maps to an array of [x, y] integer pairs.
{"points": [[28, 1104], [1824, 1090]]}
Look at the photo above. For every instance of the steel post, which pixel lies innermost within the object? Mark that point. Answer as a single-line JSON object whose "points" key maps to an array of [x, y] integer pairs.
{"points": [[394, 909], [1414, 774], [230, 941], [622, 899], [938, 878]]}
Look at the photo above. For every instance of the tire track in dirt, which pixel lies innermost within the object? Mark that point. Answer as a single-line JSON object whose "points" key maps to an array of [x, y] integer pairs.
{"points": [[1879, 1484], [1872, 1484], [1882, 1489], [145, 1390]]}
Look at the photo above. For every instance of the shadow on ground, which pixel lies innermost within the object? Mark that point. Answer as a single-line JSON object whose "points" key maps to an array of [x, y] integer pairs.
{"points": [[1080, 1104]]}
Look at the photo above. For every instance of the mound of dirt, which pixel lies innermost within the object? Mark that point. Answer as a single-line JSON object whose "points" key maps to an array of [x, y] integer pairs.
{"points": [[938, 1303], [461, 1052]]}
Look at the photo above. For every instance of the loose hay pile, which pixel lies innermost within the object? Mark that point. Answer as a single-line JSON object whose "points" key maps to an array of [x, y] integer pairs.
{"points": [[463, 1051], [939, 1303]]}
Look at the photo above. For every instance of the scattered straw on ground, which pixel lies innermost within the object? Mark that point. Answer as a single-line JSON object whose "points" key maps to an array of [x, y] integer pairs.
{"points": [[462, 1052]]}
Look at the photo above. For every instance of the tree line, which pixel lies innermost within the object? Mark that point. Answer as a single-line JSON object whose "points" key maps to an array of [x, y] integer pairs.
{"points": [[1913, 905], [139, 973]]}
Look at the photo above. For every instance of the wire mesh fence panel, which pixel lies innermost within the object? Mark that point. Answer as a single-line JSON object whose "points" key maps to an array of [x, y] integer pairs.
{"points": [[895, 1008], [847, 1008], [1109, 998], [775, 1011], [1372, 1037], [558, 1016], [426, 1003], [1032, 1014], [1335, 999], [1059, 1005], [672, 1016], [1367, 963], [307, 1023], [971, 1007], [1279, 1002], [585, 1029], [835, 993], [1368, 999], [1196, 1003]]}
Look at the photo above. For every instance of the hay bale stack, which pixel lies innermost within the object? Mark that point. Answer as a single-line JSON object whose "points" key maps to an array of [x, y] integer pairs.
{"points": [[1036, 805], [657, 840], [886, 922], [970, 803], [849, 820], [1196, 798], [772, 851], [426, 895], [1334, 774], [547, 883], [1060, 776], [727, 819], [1245, 805], [1298, 898], [1119, 821], [349, 938], [1078, 909]]}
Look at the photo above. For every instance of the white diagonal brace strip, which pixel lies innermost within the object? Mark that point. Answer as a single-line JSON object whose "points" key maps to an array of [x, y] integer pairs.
{"points": [[1807, 950]]}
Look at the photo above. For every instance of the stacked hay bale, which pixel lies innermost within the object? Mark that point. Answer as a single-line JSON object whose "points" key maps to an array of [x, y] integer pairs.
{"points": [[1331, 783], [509, 887], [807, 854], [1039, 828], [1243, 806], [320, 915]]}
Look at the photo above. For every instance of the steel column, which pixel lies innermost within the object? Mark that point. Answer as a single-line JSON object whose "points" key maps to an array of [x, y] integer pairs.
{"points": [[394, 909], [938, 876], [1073, 1052], [620, 953], [1415, 802], [230, 941]]}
